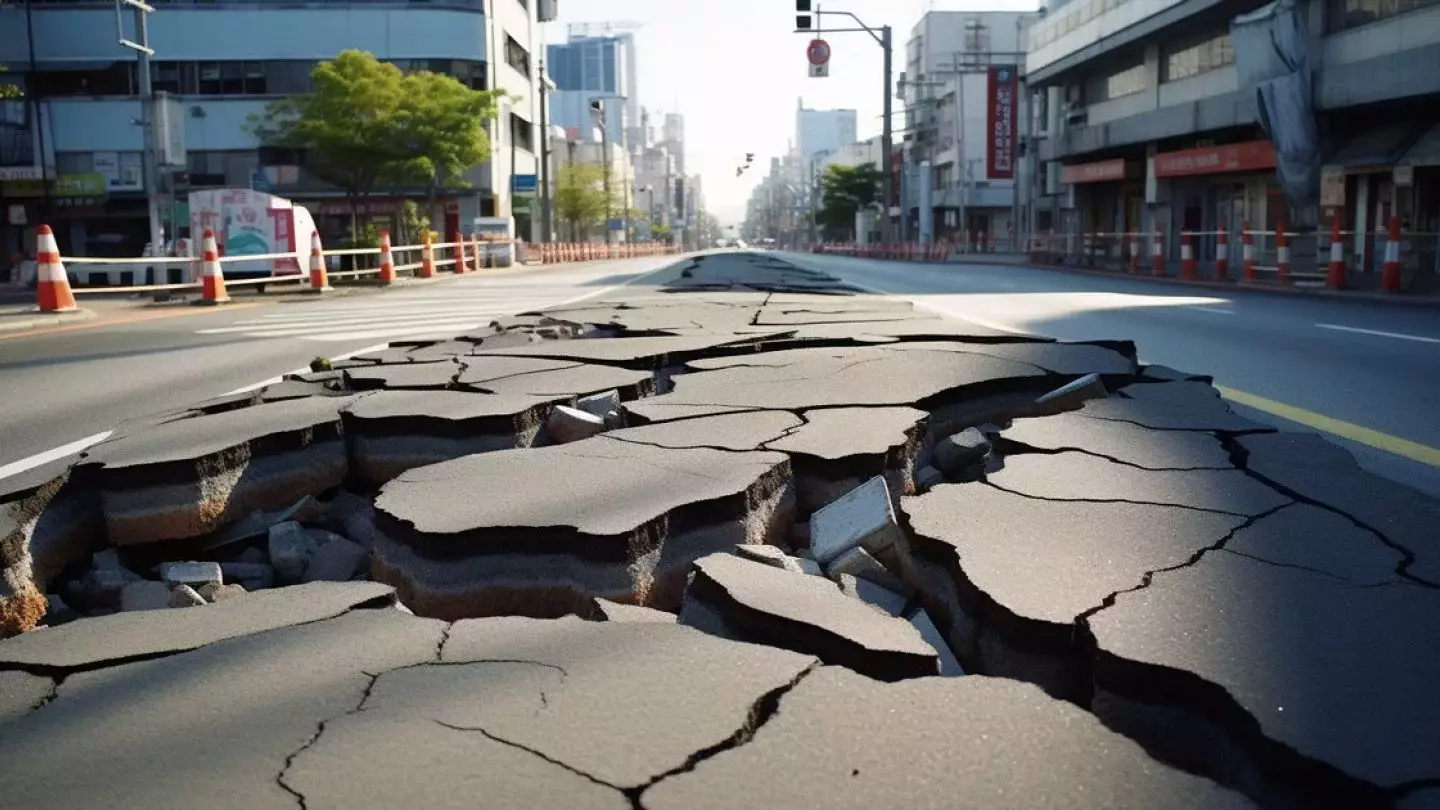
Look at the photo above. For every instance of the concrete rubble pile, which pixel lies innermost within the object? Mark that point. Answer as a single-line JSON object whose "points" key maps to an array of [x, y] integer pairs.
{"points": [[773, 533]]}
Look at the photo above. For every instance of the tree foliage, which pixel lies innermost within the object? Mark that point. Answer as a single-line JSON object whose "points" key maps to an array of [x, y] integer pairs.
{"points": [[843, 191], [580, 202], [8, 90], [368, 123]]}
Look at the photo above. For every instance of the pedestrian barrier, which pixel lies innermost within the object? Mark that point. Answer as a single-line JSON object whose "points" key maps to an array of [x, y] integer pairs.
{"points": [[1327, 256], [54, 292], [908, 251]]}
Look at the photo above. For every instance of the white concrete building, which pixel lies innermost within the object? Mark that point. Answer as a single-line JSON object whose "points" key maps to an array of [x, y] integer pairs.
{"points": [[70, 153]]}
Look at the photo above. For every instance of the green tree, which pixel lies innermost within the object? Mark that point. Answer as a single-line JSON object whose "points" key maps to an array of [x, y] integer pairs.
{"points": [[367, 123], [580, 203], [843, 191], [8, 90]]}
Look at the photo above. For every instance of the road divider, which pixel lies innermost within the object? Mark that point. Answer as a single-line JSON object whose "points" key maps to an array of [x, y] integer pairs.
{"points": [[56, 293]]}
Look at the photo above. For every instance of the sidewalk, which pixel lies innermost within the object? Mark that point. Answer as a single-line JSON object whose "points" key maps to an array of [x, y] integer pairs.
{"points": [[25, 317]]}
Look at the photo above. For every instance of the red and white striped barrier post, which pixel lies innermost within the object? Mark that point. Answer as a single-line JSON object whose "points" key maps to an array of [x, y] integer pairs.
{"points": [[51, 283], [212, 277], [1282, 255], [1335, 278], [427, 257], [319, 279], [1247, 251], [1390, 271], [387, 262], [1188, 265], [1157, 258], [1222, 255]]}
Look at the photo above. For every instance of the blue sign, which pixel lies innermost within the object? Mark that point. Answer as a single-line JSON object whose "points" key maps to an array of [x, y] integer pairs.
{"points": [[617, 224], [260, 182], [523, 183]]}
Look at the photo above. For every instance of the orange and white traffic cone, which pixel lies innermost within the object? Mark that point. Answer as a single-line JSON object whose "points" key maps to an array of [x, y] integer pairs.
{"points": [[427, 257], [1188, 264], [51, 283], [1390, 271], [1247, 251], [1157, 255], [212, 277], [1335, 278], [387, 262], [1282, 255], [459, 266], [1222, 255], [319, 279]]}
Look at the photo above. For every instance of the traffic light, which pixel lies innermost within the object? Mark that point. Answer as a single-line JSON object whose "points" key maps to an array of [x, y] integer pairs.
{"points": [[749, 157], [597, 106], [802, 15]]}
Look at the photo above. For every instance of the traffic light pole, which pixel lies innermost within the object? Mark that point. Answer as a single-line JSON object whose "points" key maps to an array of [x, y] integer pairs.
{"points": [[881, 36]]}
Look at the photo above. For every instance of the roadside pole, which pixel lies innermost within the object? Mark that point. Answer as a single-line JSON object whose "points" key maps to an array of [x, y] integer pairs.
{"points": [[547, 232], [148, 168]]}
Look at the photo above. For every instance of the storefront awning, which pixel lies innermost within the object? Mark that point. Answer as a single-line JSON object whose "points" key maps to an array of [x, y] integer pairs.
{"points": [[1425, 152], [1100, 172], [1231, 157], [1377, 146]]}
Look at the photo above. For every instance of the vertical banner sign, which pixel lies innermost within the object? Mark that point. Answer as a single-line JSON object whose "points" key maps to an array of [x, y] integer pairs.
{"points": [[1000, 123]]}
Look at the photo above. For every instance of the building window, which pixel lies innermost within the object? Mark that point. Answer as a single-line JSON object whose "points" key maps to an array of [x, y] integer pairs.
{"points": [[116, 79], [1341, 15], [1114, 85], [516, 56], [1185, 60], [521, 133], [209, 78]]}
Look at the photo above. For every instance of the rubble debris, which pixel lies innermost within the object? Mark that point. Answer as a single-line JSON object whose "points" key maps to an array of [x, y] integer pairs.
{"points": [[191, 477], [600, 404], [863, 518], [144, 595], [644, 514], [608, 611], [252, 575], [954, 455], [568, 424], [291, 548], [767, 605], [216, 593], [927, 478], [191, 573], [1006, 745], [49, 519], [948, 665], [838, 449], [777, 558], [182, 595], [858, 562], [1071, 396], [877, 596], [336, 560]]}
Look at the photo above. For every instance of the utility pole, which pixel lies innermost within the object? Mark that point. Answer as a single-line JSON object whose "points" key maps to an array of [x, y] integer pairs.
{"points": [[882, 37], [148, 169], [547, 232], [597, 111]]}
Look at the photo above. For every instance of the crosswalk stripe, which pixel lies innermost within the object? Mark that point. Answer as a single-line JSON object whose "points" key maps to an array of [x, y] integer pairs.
{"points": [[358, 327], [352, 320], [443, 330]]}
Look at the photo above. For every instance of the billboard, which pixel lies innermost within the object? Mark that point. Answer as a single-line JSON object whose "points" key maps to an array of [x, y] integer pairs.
{"points": [[1000, 123]]}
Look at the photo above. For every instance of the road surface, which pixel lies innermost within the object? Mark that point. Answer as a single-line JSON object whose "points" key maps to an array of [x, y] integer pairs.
{"points": [[1367, 374], [1374, 368]]}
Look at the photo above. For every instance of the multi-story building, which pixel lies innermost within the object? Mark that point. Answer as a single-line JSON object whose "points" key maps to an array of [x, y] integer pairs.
{"points": [[953, 61], [595, 64], [572, 146], [818, 134], [1150, 120], [71, 152]]}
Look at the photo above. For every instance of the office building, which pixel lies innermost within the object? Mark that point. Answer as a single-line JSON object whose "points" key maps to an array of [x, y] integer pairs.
{"points": [[70, 152], [1163, 116], [595, 63]]}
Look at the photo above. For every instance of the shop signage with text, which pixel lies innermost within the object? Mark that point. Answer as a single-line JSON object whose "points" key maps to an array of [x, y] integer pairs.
{"points": [[1232, 157], [66, 185], [1000, 123], [1098, 172]]}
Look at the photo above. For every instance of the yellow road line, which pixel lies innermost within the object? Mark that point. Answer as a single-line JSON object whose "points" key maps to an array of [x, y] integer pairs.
{"points": [[1345, 430]]}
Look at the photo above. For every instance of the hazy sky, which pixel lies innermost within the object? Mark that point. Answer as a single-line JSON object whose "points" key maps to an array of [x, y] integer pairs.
{"points": [[735, 69]]}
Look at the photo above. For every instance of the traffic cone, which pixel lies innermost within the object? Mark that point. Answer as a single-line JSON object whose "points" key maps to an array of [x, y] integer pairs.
{"points": [[1335, 278], [1222, 255], [387, 262], [459, 266], [1247, 251], [319, 279], [212, 277], [1390, 271], [1134, 253], [1282, 255], [1187, 256], [427, 257], [51, 283]]}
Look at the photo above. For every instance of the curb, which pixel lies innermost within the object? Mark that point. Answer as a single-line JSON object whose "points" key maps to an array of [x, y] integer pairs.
{"points": [[38, 320]]}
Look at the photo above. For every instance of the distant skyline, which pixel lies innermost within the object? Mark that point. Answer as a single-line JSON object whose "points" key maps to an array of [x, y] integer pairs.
{"points": [[735, 69]]}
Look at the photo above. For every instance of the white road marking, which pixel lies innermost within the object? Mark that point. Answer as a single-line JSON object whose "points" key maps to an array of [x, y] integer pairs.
{"points": [[988, 324], [1212, 310], [346, 356], [17, 467], [1377, 333]]}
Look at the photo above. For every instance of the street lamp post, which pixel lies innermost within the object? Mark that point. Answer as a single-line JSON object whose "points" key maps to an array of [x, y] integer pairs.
{"points": [[547, 221], [148, 158], [597, 111]]}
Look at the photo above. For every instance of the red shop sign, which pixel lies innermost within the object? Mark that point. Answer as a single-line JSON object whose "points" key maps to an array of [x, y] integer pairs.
{"points": [[1099, 172], [1232, 157]]}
